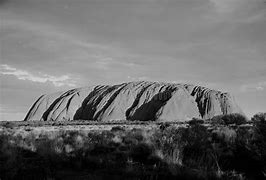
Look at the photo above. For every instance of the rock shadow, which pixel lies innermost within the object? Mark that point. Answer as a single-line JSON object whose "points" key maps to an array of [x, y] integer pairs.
{"points": [[147, 111]]}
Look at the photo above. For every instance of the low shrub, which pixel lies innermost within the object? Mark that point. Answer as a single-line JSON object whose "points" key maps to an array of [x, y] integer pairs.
{"points": [[164, 125], [229, 119], [117, 128], [195, 121], [259, 117], [9, 125]]}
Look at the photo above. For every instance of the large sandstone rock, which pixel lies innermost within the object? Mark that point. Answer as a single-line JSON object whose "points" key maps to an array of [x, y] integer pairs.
{"points": [[133, 101]]}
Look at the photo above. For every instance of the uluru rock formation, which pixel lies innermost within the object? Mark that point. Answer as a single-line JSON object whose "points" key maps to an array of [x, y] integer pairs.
{"points": [[133, 101]]}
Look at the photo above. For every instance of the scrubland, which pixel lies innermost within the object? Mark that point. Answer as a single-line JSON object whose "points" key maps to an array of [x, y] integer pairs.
{"points": [[226, 147]]}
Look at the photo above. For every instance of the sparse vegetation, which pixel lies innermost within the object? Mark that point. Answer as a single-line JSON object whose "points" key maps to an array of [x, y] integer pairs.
{"points": [[165, 152]]}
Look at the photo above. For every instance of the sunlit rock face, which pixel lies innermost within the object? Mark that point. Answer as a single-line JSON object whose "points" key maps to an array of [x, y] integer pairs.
{"points": [[144, 101]]}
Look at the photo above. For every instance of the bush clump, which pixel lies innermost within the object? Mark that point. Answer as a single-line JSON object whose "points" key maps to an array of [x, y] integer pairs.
{"points": [[195, 121], [259, 117], [229, 119]]}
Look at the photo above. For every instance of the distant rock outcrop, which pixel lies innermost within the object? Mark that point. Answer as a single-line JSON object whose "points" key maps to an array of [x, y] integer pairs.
{"points": [[133, 101]]}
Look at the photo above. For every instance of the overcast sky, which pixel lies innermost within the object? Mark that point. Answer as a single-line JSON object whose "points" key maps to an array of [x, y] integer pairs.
{"points": [[54, 45]]}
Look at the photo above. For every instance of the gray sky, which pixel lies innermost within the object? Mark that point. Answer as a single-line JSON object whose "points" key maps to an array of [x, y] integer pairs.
{"points": [[53, 45]]}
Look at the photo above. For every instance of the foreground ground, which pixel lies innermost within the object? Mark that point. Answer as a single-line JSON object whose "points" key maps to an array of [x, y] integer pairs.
{"points": [[132, 150]]}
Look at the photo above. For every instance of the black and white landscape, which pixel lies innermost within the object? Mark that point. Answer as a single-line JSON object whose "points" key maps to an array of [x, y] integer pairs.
{"points": [[133, 89]]}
